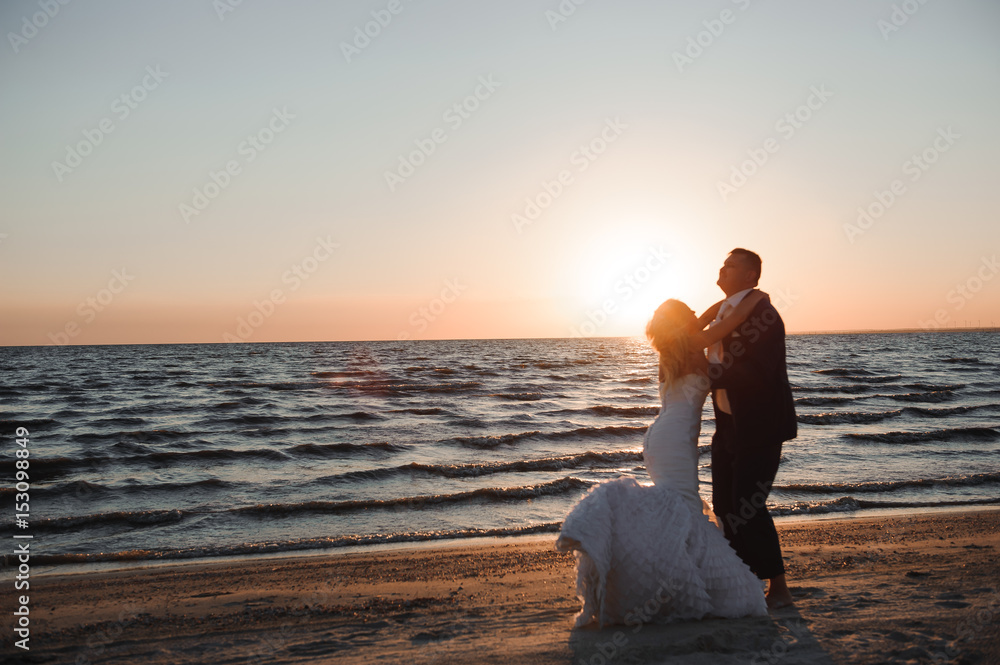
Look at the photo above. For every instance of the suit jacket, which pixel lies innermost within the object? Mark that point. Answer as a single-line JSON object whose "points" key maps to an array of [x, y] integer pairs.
{"points": [[755, 376]]}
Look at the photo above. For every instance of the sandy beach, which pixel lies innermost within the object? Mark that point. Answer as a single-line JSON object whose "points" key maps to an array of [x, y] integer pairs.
{"points": [[908, 589]]}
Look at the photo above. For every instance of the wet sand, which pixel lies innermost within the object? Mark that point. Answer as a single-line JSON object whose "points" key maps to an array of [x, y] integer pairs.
{"points": [[908, 589]]}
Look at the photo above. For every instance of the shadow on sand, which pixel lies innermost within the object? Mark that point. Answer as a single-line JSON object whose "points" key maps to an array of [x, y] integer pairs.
{"points": [[782, 637]]}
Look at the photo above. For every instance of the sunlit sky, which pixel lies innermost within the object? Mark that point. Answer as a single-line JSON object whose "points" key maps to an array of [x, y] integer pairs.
{"points": [[491, 169]]}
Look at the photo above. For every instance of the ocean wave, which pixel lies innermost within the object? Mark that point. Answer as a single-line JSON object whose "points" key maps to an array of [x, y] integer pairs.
{"points": [[402, 387], [331, 449], [290, 385], [842, 505], [32, 425], [159, 517], [271, 385], [253, 419], [948, 434], [345, 374], [861, 417], [890, 485], [970, 361], [850, 417], [600, 432], [627, 411], [847, 504], [270, 547], [934, 386], [520, 397], [280, 433], [932, 396], [77, 488], [49, 467], [118, 518], [248, 400], [589, 459], [65, 414], [493, 494], [495, 440], [150, 436], [228, 405], [945, 411], [471, 422], [220, 455], [357, 415], [205, 483], [53, 466], [843, 371], [870, 379], [824, 401], [846, 388], [82, 490], [432, 411], [610, 431], [556, 364]]}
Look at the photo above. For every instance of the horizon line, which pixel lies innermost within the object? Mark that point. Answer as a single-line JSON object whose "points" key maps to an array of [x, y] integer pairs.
{"points": [[872, 331]]}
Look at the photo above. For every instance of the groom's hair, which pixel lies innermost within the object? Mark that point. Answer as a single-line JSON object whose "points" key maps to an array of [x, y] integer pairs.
{"points": [[752, 259]]}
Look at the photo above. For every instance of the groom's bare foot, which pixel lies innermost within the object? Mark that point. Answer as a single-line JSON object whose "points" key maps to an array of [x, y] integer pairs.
{"points": [[778, 593]]}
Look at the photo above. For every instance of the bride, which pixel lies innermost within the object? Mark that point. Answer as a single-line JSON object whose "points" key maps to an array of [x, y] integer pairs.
{"points": [[654, 552]]}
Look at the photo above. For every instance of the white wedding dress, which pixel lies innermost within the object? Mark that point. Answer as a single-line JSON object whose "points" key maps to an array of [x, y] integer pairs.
{"points": [[650, 552]]}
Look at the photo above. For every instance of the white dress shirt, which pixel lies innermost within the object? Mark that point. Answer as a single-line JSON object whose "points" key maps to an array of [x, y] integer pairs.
{"points": [[715, 351]]}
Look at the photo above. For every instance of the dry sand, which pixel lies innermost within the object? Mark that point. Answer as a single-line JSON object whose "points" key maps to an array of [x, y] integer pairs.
{"points": [[914, 588]]}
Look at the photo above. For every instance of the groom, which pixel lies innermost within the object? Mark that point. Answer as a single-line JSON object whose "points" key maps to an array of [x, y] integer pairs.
{"points": [[754, 414]]}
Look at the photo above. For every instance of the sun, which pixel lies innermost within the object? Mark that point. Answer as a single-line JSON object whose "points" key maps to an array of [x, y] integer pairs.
{"points": [[620, 277]]}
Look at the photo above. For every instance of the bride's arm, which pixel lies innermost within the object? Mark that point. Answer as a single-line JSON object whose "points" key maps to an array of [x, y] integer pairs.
{"points": [[709, 315], [723, 328]]}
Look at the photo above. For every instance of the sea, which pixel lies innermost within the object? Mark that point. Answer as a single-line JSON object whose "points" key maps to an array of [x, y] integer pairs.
{"points": [[140, 453]]}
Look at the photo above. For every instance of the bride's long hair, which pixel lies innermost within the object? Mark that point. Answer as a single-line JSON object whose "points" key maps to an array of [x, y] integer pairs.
{"points": [[670, 334]]}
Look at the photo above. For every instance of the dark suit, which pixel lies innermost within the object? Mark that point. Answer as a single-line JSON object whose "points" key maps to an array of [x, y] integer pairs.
{"points": [[746, 447]]}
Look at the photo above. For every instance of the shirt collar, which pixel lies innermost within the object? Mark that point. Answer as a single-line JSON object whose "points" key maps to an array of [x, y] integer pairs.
{"points": [[737, 298]]}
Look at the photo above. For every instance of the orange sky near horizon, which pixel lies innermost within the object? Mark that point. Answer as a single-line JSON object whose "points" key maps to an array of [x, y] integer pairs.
{"points": [[485, 171]]}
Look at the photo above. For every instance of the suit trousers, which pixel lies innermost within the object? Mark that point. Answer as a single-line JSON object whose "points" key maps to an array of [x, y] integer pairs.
{"points": [[742, 475]]}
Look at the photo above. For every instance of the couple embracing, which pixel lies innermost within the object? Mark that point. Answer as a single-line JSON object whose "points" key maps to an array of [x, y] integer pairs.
{"points": [[661, 547]]}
